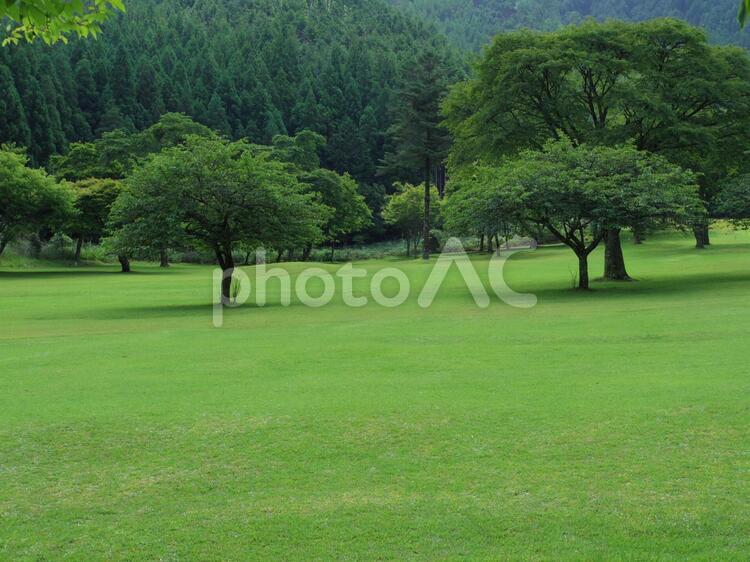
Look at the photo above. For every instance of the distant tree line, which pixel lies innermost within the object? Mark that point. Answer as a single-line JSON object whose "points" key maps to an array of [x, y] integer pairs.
{"points": [[471, 24]]}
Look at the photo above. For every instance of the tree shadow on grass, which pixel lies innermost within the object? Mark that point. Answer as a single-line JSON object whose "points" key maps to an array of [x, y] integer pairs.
{"points": [[166, 310], [645, 286], [43, 274]]}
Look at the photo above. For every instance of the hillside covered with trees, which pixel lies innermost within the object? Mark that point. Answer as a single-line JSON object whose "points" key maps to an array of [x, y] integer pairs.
{"points": [[247, 69], [471, 23]]}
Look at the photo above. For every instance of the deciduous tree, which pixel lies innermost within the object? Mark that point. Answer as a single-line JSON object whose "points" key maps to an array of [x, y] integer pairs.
{"points": [[217, 195], [405, 211], [29, 198], [580, 193], [91, 208], [53, 20]]}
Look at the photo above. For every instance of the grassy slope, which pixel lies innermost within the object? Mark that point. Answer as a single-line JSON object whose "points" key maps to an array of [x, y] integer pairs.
{"points": [[606, 425]]}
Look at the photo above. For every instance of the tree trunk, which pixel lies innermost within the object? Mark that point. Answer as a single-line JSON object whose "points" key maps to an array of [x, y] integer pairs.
{"points": [[124, 263], [441, 180], [333, 250], [279, 256], [3, 244], [226, 262], [614, 261], [290, 256], [426, 225], [583, 272], [702, 237], [481, 243], [306, 253], [79, 245], [163, 258], [489, 244], [408, 247]]}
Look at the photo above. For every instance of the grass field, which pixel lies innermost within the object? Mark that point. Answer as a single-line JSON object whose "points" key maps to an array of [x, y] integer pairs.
{"points": [[609, 425]]}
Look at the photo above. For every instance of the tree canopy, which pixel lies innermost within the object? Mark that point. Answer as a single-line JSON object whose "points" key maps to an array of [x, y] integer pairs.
{"points": [[218, 195], [29, 198], [404, 210]]}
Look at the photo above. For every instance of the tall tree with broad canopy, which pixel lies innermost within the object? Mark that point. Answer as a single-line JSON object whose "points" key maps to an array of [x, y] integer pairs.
{"points": [[658, 84], [405, 211], [219, 195], [420, 141], [53, 20], [29, 198], [579, 193], [93, 202]]}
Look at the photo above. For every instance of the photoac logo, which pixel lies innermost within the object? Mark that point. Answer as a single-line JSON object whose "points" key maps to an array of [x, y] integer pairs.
{"points": [[453, 253]]}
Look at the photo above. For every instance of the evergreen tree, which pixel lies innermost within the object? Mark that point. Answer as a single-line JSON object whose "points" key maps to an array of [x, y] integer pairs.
{"points": [[421, 142], [347, 151], [274, 125], [216, 116], [13, 125]]}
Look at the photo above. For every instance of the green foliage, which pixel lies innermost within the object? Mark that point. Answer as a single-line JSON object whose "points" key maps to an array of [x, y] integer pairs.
{"points": [[53, 20], [733, 201], [93, 201], [744, 12], [348, 211], [419, 140], [301, 151], [29, 198], [404, 210], [578, 193], [658, 84], [250, 70], [469, 211], [116, 153], [217, 195], [418, 137]]}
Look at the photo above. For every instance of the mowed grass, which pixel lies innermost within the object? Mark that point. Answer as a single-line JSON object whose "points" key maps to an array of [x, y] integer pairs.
{"points": [[609, 425]]}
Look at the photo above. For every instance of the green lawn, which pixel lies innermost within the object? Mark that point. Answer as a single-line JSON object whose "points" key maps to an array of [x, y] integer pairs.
{"points": [[609, 425]]}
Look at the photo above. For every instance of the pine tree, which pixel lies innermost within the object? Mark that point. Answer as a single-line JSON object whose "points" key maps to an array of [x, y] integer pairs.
{"points": [[216, 116], [348, 152], [122, 81], [372, 137], [13, 125], [86, 89], [274, 125], [421, 143], [306, 112]]}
